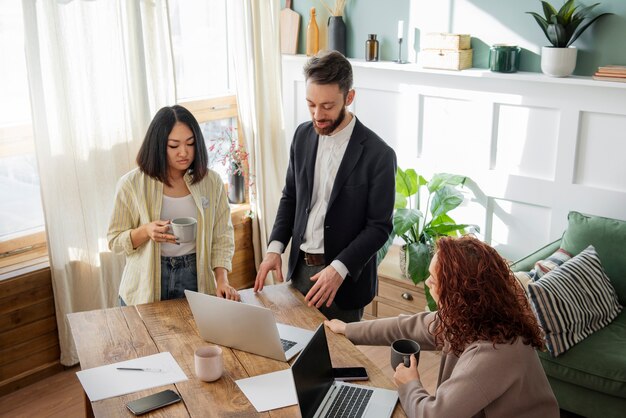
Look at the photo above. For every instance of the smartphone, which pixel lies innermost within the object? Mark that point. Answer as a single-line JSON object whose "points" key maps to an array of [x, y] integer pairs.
{"points": [[152, 402], [350, 373]]}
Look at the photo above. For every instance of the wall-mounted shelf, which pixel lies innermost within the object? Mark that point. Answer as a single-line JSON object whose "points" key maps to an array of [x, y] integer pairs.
{"points": [[475, 73]]}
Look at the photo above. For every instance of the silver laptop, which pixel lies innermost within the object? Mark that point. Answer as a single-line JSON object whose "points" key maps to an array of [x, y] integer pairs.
{"points": [[319, 395], [245, 327]]}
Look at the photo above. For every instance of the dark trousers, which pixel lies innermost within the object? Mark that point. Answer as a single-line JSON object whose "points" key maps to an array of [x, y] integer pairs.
{"points": [[301, 280]]}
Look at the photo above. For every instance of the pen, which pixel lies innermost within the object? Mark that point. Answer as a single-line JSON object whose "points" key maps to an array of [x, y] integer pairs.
{"points": [[140, 369]]}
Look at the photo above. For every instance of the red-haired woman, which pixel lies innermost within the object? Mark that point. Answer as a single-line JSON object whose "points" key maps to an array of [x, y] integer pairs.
{"points": [[487, 334]]}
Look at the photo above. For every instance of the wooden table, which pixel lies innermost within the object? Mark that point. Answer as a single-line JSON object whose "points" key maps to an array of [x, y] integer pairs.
{"points": [[111, 335]]}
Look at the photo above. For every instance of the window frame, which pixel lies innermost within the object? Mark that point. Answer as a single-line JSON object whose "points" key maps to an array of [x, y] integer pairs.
{"points": [[216, 108]]}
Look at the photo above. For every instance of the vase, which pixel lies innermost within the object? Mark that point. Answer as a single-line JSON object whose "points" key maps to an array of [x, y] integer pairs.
{"points": [[403, 263], [236, 189], [558, 62], [337, 34]]}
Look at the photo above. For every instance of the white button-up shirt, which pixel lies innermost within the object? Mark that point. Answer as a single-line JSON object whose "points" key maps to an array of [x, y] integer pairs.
{"points": [[330, 152]]}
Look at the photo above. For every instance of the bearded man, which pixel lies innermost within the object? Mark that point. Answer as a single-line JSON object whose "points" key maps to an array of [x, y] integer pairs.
{"points": [[337, 203]]}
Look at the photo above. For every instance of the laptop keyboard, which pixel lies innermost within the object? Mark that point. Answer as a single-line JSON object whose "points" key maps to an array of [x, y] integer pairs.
{"points": [[349, 402], [287, 344]]}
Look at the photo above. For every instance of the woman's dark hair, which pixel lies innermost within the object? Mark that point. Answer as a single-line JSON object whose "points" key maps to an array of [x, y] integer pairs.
{"points": [[479, 298], [330, 68], [152, 156]]}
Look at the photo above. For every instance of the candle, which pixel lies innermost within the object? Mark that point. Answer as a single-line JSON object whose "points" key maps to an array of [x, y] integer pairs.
{"points": [[400, 29]]}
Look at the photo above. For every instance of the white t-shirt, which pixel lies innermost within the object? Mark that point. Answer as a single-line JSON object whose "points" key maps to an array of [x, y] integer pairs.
{"points": [[178, 207]]}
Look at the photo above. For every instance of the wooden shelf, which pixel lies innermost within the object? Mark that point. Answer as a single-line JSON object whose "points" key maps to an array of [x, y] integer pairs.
{"points": [[395, 295]]}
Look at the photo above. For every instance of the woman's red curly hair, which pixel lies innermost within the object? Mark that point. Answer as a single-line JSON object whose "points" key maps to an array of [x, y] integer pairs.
{"points": [[479, 298]]}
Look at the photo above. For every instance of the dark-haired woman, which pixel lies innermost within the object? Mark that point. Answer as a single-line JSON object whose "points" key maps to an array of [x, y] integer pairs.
{"points": [[486, 331], [172, 181]]}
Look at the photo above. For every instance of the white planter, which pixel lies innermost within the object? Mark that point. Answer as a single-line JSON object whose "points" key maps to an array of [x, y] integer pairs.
{"points": [[558, 62]]}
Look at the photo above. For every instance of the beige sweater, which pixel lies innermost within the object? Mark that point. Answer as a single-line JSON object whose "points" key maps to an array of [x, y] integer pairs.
{"points": [[505, 381], [138, 201]]}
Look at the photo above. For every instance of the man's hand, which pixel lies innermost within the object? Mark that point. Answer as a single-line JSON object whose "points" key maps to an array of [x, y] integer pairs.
{"points": [[271, 262], [327, 283], [405, 374]]}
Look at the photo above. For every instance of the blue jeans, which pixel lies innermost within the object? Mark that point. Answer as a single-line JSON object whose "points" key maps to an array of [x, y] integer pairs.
{"points": [[177, 274]]}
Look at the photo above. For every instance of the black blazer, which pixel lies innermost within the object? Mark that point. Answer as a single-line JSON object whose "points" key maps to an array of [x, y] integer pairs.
{"points": [[359, 216]]}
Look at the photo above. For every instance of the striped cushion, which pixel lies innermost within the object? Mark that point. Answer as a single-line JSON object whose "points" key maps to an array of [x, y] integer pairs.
{"points": [[573, 301], [557, 258]]}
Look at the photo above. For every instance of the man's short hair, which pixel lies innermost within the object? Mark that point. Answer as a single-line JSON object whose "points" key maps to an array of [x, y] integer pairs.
{"points": [[329, 67]]}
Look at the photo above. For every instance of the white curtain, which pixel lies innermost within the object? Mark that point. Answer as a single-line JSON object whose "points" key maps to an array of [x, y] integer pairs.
{"points": [[254, 36], [98, 71]]}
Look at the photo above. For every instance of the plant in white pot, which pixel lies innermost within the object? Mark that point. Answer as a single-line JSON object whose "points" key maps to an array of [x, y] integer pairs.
{"points": [[421, 229], [562, 28]]}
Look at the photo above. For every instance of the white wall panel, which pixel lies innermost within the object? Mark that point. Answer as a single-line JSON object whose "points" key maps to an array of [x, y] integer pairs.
{"points": [[601, 151], [526, 141], [455, 133], [518, 228]]}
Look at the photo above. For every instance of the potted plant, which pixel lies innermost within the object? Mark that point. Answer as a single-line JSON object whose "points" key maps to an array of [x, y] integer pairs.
{"points": [[420, 229], [562, 28], [231, 153]]}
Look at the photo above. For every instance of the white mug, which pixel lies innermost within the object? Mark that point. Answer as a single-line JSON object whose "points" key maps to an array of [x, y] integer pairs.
{"points": [[184, 229]]}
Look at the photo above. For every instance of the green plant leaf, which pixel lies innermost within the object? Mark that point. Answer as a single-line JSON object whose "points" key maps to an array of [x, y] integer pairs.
{"points": [[442, 219], [405, 219], [400, 201], [432, 305], [382, 252], [418, 257], [449, 229], [406, 182], [440, 180], [557, 34], [548, 10], [582, 28], [565, 12], [543, 23], [444, 200]]}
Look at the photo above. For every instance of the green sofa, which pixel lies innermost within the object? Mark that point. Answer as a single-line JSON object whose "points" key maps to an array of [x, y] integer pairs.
{"points": [[590, 378]]}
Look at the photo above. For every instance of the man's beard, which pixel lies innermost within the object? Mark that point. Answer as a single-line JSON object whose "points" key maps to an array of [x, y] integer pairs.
{"points": [[335, 123]]}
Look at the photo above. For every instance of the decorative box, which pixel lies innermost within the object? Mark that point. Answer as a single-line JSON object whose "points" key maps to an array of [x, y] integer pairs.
{"points": [[445, 41], [443, 59]]}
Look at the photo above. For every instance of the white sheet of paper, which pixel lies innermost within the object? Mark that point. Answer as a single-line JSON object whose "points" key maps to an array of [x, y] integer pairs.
{"points": [[269, 391], [106, 381]]}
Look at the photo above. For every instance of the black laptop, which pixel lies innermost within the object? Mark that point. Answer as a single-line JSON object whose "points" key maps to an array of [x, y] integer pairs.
{"points": [[319, 395]]}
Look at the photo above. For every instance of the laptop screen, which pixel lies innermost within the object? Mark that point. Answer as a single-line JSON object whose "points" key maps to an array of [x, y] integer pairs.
{"points": [[313, 373]]}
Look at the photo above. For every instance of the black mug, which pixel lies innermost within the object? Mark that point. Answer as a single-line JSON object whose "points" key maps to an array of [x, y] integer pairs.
{"points": [[401, 351]]}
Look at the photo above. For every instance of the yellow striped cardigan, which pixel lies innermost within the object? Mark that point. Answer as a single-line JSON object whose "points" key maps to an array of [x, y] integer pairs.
{"points": [[138, 201]]}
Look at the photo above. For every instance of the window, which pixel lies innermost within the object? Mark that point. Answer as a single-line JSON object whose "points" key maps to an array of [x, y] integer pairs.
{"points": [[21, 213], [200, 51], [200, 47], [203, 82]]}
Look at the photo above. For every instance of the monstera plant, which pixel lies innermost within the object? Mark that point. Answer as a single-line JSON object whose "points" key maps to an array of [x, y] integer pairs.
{"points": [[419, 229], [562, 28]]}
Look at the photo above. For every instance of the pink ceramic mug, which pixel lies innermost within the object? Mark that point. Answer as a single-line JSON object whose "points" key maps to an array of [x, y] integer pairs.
{"points": [[209, 363]]}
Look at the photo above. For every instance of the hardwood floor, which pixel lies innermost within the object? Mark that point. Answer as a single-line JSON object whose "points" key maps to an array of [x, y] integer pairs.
{"points": [[58, 396]]}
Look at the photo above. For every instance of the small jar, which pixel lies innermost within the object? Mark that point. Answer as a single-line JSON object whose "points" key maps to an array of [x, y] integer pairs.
{"points": [[371, 48], [504, 58]]}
